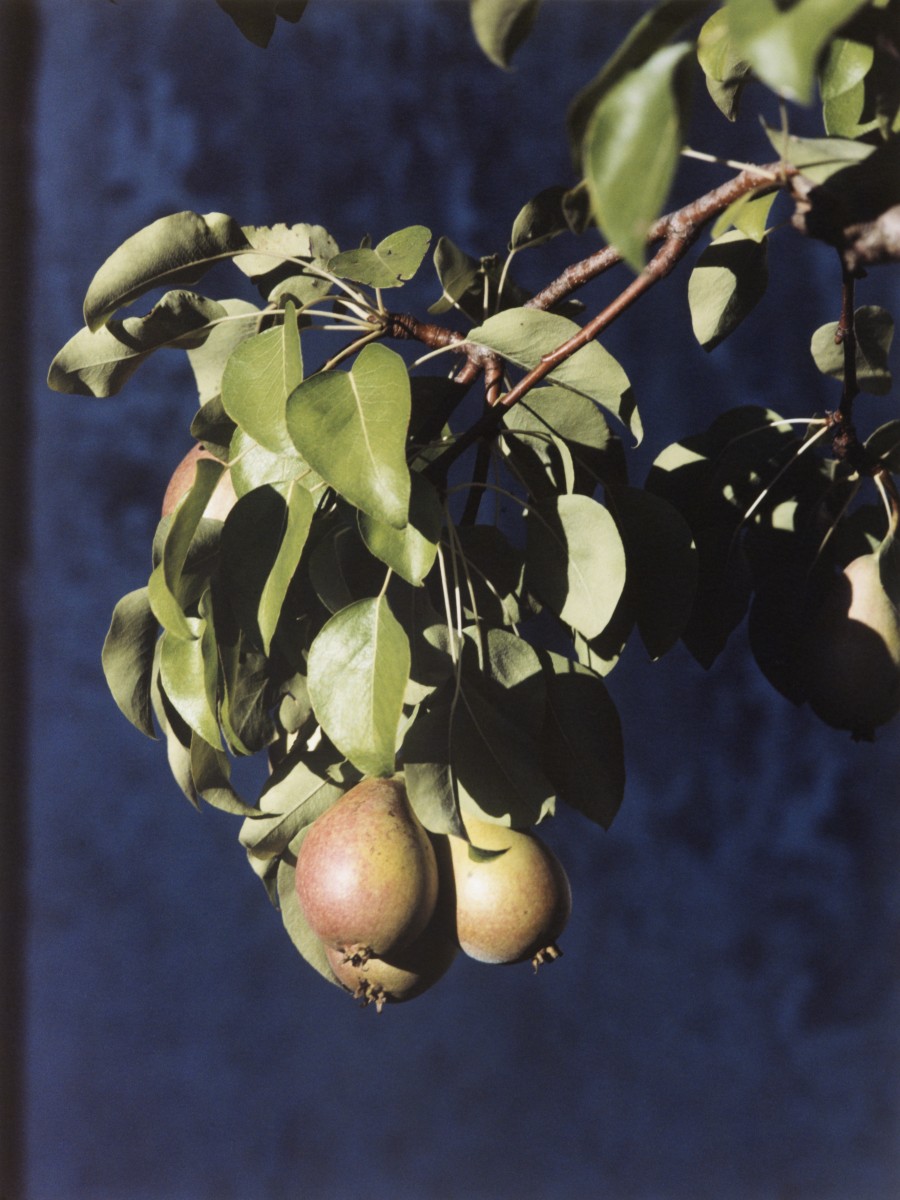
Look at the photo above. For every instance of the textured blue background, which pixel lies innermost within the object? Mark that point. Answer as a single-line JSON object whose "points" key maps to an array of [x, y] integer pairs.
{"points": [[723, 1025]]}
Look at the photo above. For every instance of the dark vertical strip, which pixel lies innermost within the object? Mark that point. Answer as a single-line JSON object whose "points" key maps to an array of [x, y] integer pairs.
{"points": [[18, 36]]}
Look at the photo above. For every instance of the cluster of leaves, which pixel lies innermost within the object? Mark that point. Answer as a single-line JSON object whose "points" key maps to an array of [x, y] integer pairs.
{"points": [[399, 586]]}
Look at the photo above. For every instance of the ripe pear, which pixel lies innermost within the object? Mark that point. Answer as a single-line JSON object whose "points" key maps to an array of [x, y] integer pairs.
{"points": [[510, 906], [223, 498], [850, 657], [366, 875]]}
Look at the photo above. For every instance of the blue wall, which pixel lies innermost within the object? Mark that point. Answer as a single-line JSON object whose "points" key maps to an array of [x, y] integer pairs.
{"points": [[723, 1025]]}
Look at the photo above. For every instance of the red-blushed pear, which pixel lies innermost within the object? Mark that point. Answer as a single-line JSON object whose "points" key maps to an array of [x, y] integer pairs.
{"points": [[366, 875], [850, 656], [403, 976], [510, 906], [223, 498]]}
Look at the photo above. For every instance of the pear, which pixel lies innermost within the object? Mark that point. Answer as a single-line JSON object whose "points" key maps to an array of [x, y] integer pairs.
{"points": [[850, 658], [512, 905], [223, 498], [366, 874], [402, 976]]}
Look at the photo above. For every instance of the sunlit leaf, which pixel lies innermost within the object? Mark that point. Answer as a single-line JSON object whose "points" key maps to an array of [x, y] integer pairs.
{"points": [[874, 330], [259, 376], [99, 362], [524, 335], [501, 26], [351, 427], [749, 214], [187, 669], [783, 45], [649, 34], [575, 562], [726, 72], [410, 551], [358, 670], [289, 261], [208, 361], [818, 158], [177, 249], [389, 264], [636, 133], [728, 281]]}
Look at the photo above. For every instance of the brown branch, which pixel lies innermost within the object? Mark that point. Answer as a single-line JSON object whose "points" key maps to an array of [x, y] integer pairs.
{"points": [[845, 337]]}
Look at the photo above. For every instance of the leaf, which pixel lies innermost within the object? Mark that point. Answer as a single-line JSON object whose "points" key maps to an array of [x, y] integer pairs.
{"points": [[884, 443], [749, 213], [99, 363], [818, 158], [259, 376], [392, 262], [496, 571], [648, 35], [262, 541], [728, 281], [501, 26], [297, 792], [308, 945], [661, 566], [585, 754], [874, 329], [540, 219], [632, 147], [211, 773], [289, 261], [726, 72], [411, 551], [358, 669], [596, 452], [575, 562], [256, 18], [253, 466], [128, 656], [351, 428], [524, 335], [208, 361], [845, 65], [176, 249], [187, 670], [783, 45], [165, 588], [246, 693]]}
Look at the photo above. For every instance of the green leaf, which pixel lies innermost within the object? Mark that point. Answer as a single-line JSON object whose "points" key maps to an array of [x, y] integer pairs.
{"points": [[358, 670], [256, 18], [176, 249], [845, 65], [726, 72], [501, 26], [392, 262], [661, 566], [818, 158], [783, 45], [166, 590], [259, 376], [246, 693], [884, 443], [729, 280], [496, 571], [575, 562], [632, 147], [308, 945], [262, 541], [99, 363], [128, 656], [208, 361], [410, 552], [351, 428], [540, 219], [585, 754], [524, 335], [289, 261], [211, 773], [749, 214], [188, 671], [596, 452], [649, 34], [297, 792], [253, 466], [874, 329]]}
